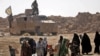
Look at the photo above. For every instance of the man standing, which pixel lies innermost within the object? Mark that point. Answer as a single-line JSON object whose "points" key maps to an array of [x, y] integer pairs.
{"points": [[34, 6]]}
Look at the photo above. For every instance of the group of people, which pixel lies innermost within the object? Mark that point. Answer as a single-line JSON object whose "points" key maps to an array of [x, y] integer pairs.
{"points": [[85, 42], [29, 47]]}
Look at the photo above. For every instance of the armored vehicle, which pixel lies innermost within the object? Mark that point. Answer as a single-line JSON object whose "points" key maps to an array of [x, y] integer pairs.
{"points": [[33, 24]]}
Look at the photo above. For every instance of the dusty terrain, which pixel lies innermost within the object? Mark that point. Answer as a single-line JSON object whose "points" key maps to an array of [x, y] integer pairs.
{"points": [[14, 41]]}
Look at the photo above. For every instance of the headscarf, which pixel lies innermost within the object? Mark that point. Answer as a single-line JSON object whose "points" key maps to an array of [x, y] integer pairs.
{"points": [[76, 39], [61, 39], [32, 44]]}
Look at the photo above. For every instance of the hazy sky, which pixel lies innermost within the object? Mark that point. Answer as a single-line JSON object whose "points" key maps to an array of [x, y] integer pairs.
{"points": [[51, 7]]}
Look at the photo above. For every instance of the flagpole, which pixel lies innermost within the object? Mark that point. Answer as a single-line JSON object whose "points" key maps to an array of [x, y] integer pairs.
{"points": [[10, 17]]}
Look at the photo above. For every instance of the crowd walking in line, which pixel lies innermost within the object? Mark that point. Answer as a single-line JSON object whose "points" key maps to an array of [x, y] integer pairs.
{"points": [[29, 47]]}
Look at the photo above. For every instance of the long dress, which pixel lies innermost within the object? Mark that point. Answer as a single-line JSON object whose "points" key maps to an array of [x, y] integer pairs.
{"points": [[26, 50], [86, 44], [45, 46], [39, 49], [97, 43], [64, 48]]}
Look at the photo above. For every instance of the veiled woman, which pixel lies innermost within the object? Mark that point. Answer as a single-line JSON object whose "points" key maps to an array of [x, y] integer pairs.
{"points": [[64, 47], [32, 44], [86, 44], [97, 43], [26, 49], [76, 39]]}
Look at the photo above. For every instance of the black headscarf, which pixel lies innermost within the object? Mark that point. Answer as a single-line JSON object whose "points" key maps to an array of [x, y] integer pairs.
{"points": [[32, 44], [61, 39], [76, 39]]}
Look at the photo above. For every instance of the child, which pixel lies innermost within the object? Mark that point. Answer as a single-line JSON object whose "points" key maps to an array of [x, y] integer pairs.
{"points": [[51, 51], [12, 50]]}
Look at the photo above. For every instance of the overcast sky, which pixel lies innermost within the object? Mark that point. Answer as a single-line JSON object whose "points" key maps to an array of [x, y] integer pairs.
{"points": [[51, 7]]}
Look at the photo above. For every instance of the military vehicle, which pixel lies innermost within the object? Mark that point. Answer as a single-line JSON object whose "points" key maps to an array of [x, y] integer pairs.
{"points": [[32, 23]]}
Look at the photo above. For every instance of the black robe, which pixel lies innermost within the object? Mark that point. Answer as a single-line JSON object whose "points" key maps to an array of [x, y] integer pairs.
{"points": [[76, 39], [86, 44], [32, 44], [97, 43]]}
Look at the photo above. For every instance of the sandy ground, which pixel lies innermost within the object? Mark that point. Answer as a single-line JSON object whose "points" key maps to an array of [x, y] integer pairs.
{"points": [[14, 41]]}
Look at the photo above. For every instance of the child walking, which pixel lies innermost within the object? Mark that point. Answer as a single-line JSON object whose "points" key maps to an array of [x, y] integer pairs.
{"points": [[51, 51]]}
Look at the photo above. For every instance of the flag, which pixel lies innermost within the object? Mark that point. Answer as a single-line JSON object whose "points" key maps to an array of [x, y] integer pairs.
{"points": [[10, 17], [9, 11]]}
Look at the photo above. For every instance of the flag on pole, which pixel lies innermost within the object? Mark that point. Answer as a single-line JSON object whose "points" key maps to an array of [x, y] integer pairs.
{"points": [[9, 11]]}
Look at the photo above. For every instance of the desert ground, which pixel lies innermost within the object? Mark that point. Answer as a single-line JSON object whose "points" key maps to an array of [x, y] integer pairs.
{"points": [[5, 41]]}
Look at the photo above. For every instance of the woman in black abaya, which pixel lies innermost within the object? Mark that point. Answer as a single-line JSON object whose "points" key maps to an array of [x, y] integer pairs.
{"points": [[86, 44], [97, 43]]}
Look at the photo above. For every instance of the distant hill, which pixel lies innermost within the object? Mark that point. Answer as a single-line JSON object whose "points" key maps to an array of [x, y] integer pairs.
{"points": [[83, 22]]}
